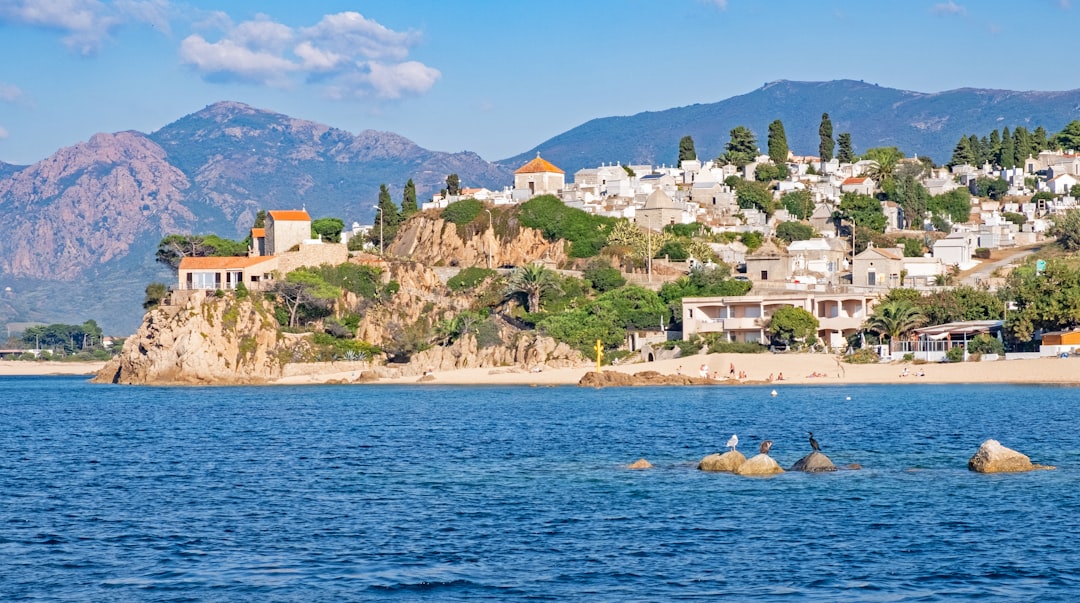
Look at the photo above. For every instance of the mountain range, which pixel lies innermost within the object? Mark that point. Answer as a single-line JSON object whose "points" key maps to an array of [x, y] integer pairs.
{"points": [[81, 226]]}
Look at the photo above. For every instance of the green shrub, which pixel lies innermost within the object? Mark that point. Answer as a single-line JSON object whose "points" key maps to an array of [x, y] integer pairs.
{"points": [[586, 232], [737, 347], [462, 212], [603, 276], [862, 356], [982, 253], [469, 278], [955, 354], [985, 344]]}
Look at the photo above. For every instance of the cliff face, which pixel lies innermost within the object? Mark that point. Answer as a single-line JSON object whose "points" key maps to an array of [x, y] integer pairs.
{"points": [[435, 241], [87, 205], [206, 340]]}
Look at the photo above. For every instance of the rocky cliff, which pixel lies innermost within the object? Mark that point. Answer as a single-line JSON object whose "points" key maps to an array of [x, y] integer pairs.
{"points": [[437, 242], [205, 340]]}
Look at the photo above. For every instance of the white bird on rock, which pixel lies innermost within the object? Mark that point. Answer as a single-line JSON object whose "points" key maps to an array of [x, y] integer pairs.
{"points": [[733, 441]]}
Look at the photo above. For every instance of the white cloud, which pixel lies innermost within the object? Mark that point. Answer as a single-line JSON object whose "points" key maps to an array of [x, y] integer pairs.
{"points": [[721, 4], [410, 77], [229, 60], [318, 60], [349, 55], [10, 92], [3, 133], [85, 24], [948, 8], [1065, 4], [351, 32]]}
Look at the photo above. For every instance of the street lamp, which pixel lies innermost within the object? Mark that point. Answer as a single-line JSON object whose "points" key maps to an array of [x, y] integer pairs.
{"points": [[492, 236], [379, 209]]}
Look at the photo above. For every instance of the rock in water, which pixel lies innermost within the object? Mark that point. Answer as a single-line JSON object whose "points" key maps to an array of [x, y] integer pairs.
{"points": [[729, 461], [759, 464], [992, 457], [640, 464], [815, 462]]}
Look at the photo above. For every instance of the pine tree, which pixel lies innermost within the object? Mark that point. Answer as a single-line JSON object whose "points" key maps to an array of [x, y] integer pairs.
{"points": [[962, 153], [845, 154], [778, 147], [408, 200], [686, 150], [825, 148], [742, 148]]}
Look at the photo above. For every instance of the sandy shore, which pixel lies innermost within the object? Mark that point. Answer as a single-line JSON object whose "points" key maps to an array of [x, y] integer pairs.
{"points": [[795, 368], [22, 367]]}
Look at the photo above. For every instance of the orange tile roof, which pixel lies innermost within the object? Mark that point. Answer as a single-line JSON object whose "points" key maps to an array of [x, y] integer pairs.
{"points": [[537, 166], [853, 181], [258, 233], [222, 263], [292, 215]]}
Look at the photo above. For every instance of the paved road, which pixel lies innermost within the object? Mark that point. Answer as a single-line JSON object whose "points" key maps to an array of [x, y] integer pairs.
{"points": [[984, 270]]}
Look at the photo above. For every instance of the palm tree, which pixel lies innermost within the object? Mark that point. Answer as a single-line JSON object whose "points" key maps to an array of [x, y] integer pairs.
{"points": [[532, 281], [895, 319]]}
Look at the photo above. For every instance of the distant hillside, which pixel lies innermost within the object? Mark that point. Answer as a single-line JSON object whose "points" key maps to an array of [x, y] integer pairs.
{"points": [[82, 225], [917, 123]]}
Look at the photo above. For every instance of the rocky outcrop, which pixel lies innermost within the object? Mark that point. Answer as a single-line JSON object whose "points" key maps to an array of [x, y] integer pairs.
{"points": [[640, 464], [759, 464], [614, 378], [528, 352], [434, 241], [815, 462], [208, 340], [992, 457], [728, 461]]}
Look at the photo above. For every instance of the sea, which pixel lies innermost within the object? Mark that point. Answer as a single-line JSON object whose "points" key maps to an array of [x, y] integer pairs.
{"points": [[430, 493]]}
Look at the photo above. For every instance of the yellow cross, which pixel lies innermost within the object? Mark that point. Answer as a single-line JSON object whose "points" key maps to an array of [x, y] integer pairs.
{"points": [[599, 354]]}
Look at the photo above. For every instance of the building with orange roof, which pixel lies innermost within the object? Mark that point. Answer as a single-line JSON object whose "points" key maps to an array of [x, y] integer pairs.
{"points": [[286, 229], [284, 245], [863, 186], [538, 177], [225, 272]]}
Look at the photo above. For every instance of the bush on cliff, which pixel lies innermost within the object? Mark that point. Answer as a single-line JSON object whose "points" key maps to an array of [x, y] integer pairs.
{"points": [[552, 217]]}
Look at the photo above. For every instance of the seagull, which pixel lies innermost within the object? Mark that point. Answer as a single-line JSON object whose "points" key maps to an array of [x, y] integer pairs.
{"points": [[733, 441], [766, 446], [813, 442]]}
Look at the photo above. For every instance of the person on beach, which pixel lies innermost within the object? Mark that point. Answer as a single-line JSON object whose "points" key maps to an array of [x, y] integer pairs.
{"points": [[731, 370], [780, 377], [704, 371]]}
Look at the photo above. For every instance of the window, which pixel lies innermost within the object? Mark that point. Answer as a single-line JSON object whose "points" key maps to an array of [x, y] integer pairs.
{"points": [[203, 280]]}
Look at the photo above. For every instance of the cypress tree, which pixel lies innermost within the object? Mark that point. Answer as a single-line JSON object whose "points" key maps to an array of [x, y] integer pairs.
{"points": [[845, 153], [408, 200], [686, 149], [1007, 158], [389, 210], [778, 149], [453, 185], [1021, 145], [825, 148]]}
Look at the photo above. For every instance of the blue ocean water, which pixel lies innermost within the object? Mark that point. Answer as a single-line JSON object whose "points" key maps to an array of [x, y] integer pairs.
{"points": [[355, 493]]}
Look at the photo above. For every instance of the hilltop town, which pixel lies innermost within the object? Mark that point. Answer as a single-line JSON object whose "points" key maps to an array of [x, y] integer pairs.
{"points": [[878, 258]]}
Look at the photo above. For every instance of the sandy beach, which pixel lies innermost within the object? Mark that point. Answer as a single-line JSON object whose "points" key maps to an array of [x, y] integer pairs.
{"points": [[799, 369], [22, 367]]}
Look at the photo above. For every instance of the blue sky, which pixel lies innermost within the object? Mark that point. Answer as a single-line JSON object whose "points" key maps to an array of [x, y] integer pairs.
{"points": [[494, 77]]}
